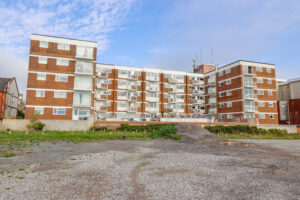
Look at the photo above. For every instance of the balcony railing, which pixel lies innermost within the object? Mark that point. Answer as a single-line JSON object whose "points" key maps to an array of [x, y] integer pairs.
{"points": [[102, 75], [152, 99], [172, 80], [103, 109], [248, 72], [211, 80], [132, 109], [249, 84], [152, 110], [211, 90], [152, 89], [249, 96], [198, 101], [197, 82], [133, 98], [198, 92], [212, 100], [249, 109], [152, 78], [212, 111], [101, 97], [133, 77], [132, 87], [171, 100], [101, 86]]}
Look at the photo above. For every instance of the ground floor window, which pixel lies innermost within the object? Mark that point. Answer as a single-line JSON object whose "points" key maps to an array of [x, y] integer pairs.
{"points": [[59, 111]]}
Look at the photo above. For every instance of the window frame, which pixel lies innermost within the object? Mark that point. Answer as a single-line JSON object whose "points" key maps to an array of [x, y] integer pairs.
{"points": [[38, 76], [42, 60], [39, 108], [57, 111], [44, 46], [41, 92]]}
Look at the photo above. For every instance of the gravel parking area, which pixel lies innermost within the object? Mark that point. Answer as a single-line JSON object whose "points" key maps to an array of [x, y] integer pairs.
{"points": [[158, 169]]}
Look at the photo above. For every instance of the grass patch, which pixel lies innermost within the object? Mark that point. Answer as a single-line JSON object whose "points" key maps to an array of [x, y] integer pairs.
{"points": [[19, 137], [8, 155], [259, 136]]}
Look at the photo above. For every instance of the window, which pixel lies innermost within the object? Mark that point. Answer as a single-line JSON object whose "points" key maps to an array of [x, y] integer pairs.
{"points": [[229, 104], [62, 62], [261, 116], [228, 93], [228, 71], [229, 116], [59, 111], [228, 82], [61, 78], [122, 104], [63, 46], [283, 117], [260, 92], [221, 73], [41, 76], [269, 70], [261, 104], [42, 60], [269, 81], [84, 67], [221, 83], [83, 83], [82, 113], [221, 94], [40, 93], [283, 106], [260, 80], [271, 104], [60, 94], [43, 44], [271, 116], [39, 110], [82, 98], [259, 69], [222, 116], [221, 105], [270, 93], [84, 52]]}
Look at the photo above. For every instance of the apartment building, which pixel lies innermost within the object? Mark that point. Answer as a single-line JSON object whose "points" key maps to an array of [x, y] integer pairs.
{"points": [[289, 101], [64, 82], [60, 78], [242, 91], [124, 92]]}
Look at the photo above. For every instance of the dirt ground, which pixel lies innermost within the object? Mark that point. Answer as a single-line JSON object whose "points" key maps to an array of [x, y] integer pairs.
{"points": [[157, 169]]}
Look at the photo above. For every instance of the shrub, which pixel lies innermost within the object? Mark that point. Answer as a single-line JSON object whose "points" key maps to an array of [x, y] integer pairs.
{"points": [[95, 128], [244, 129], [149, 128], [166, 131], [37, 126]]}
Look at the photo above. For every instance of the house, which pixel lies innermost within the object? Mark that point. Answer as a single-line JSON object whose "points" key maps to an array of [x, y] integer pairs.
{"points": [[9, 95]]}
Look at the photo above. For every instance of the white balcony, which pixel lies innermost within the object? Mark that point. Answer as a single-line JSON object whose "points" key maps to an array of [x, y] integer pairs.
{"points": [[197, 82], [212, 90], [101, 97], [152, 99], [211, 80], [132, 98], [102, 75], [249, 96], [198, 101], [152, 78], [102, 86], [172, 90], [179, 100], [172, 80], [152, 110], [133, 77], [132, 109], [132, 87], [212, 100], [249, 84], [212, 111], [198, 92], [249, 109], [101, 108], [248, 72], [152, 89]]}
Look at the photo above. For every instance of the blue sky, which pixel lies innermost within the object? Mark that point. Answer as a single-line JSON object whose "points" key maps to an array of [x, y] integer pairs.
{"points": [[157, 33]]}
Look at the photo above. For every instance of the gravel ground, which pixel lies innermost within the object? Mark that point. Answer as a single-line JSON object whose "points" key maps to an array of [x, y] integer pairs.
{"points": [[157, 169]]}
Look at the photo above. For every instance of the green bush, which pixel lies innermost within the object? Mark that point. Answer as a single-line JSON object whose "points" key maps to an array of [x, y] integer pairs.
{"points": [[166, 131], [244, 129], [149, 128], [37, 126], [95, 128]]}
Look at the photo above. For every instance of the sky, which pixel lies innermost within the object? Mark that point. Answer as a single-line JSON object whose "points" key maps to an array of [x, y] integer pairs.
{"points": [[165, 34]]}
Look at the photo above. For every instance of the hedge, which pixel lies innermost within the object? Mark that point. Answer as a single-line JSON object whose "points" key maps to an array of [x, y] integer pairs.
{"points": [[245, 129]]}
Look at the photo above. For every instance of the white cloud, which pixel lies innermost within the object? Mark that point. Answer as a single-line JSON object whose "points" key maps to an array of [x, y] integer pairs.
{"points": [[80, 19]]}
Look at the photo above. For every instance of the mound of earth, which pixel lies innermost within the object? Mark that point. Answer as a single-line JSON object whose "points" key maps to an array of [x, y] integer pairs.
{"points": [[193, 133]]}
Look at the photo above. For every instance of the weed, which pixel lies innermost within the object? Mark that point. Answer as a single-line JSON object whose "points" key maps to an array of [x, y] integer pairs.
{"points": [[8, 155]]}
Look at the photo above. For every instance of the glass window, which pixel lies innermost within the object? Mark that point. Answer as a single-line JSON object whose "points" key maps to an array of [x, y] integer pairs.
{"points": [[220, 73], [83, 83], [229, 116], [283, 106], [43, 44], [269, 81], [261, 104], [269, 70], [63, 46], [62, 62], [84, 52], [39, 110], [60, 94], [261, 116], [59, 111], [228, 71], [84, 67], [41, 76], [42, 60], [229, 104], [260, 80], [40, 93], [283, 117], [270, 93], [259, 69], [228, 82], [221, 105], [228, 93], [260, 92], [61, 78], [270, 104], [82, 98], [221, 94]]}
